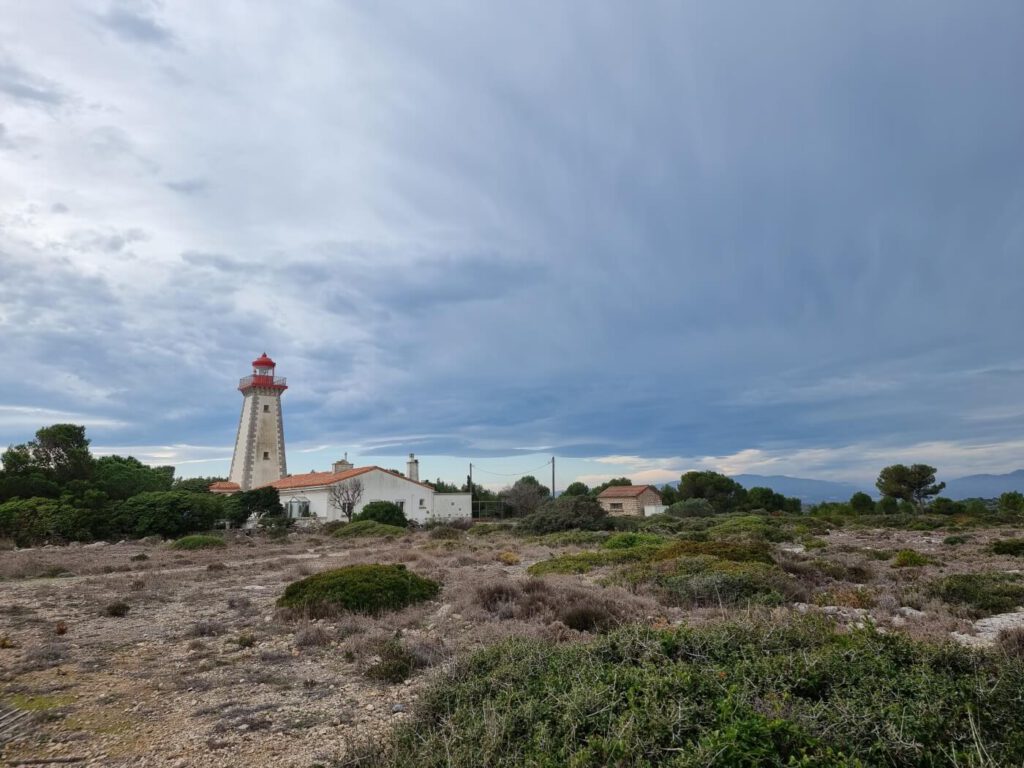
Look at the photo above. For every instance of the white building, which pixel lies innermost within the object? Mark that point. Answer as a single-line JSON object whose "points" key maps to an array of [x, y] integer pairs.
{"points": [[310, 493]]}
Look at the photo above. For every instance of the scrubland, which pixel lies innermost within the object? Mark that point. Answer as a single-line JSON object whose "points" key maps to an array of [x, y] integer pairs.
{"points": [[735, 640]]}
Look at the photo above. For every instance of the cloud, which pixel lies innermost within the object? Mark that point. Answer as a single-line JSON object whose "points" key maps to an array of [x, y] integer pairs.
{"points": [[188, 186], [783, 242], [134, 23], [26, 88]]}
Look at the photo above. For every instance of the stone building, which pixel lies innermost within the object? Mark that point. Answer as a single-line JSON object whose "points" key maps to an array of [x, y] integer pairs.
{"points": [[628, 499]]}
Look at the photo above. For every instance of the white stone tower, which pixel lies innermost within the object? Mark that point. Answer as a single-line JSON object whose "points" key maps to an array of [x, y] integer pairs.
{"points": [[259, 445]]}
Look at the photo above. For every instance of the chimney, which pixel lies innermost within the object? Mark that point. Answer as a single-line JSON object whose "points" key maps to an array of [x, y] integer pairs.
{"points": [[342, 466], [412, 469]]}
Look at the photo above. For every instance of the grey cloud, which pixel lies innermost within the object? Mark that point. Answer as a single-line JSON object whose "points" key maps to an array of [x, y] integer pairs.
{"points": [[27, 88], [59, 208], [135, 24], [188, 186], [216, 261]]}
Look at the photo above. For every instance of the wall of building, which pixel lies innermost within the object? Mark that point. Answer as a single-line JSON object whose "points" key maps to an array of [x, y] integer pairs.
{"points": [[419, 503], [631, 505], [259, 432]]}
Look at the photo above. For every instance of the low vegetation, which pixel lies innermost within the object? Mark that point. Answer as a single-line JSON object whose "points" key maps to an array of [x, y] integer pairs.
{"points": [[1013, 547], [358, 588], [981, 594], [365, 528], [734, 694], [198, 541]]}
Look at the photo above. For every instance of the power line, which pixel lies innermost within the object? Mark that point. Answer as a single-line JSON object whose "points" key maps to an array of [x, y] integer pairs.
{"points": [[478, 468]]}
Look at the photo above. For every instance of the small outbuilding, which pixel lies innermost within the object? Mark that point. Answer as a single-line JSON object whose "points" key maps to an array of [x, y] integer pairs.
{"points": [[628, 499]]}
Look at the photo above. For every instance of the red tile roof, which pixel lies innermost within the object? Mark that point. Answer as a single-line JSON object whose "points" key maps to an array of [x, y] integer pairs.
{"points": [[316, 479], [224, 485], [625, 491]]}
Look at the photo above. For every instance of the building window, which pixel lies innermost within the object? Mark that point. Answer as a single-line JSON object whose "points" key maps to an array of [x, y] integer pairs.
{"points": [[616, 505], [266, 455], [400, 505], [423, 502], [266, 409]]}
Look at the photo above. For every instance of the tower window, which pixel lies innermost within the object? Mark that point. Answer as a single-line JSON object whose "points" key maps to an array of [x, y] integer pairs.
{"points": [[266, 455], [266, 409]]}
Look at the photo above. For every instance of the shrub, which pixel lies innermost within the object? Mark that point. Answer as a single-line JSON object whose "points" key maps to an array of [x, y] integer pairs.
{"points": [[737, 694], [910, 558], [358, 588], [139, 557], [954, 541], [566, 513], [491, 529], [582, 562], [573, 538], [395, 665], [691, 508], [311, 636], [982, 593], [245, 640], [198, 541], [508, 558], [385, 512], [333, 526], [748, 528], [629, 540], [365, 528], [1013, 547], [1011, 642], [585, 609], [118, 609], [206, 628], [445, 532], [216, 567]]}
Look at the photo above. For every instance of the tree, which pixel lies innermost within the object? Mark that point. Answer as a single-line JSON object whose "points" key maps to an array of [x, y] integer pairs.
{"points": [[915, 484], [345, 496], [526, 495], [1011, 501], [440, 486], [123, 477], [386, 512], [195, 484], [669, 494], [170, 513], [724, 493], [615, 481], [576, 489], [862, 504], [770, 501]]}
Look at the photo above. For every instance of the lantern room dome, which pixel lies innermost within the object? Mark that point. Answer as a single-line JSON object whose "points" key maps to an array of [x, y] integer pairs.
{"points": [[263, 362]]}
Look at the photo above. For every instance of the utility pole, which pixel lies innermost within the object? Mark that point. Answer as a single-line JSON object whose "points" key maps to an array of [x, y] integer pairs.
{"points": [[552, 477], [471, 489]]}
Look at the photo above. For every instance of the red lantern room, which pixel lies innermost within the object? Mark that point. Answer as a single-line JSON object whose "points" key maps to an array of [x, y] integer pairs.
{"points": [[263, 376]]}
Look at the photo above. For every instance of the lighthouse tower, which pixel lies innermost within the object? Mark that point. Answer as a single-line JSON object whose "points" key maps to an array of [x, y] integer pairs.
{"points": [[259, 445]]}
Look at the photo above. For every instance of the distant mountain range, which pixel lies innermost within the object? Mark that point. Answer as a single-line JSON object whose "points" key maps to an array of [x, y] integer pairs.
{"points": [[984, 486], [814, 491], [805, 489]]}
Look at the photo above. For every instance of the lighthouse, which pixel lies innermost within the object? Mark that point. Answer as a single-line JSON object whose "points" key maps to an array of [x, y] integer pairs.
{"points": [[259, 445]]}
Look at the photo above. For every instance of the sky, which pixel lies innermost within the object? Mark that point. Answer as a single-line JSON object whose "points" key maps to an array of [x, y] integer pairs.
{"points": [[775, 238]]}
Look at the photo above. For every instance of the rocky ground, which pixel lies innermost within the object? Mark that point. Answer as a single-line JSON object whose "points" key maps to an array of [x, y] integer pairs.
{"points": [[203, 671]]}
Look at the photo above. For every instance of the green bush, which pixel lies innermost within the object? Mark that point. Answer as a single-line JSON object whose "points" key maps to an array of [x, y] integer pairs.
{"points": [[955, 541], [396, 663], [364, 528], [358, 588], [748, 528], [567, 513], [198, 541], [582, 562], [910, 558], [384, 512], [1009, 547], [982, 593], [691, 508], [117, 609], [734, 695], [630, 540]]}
